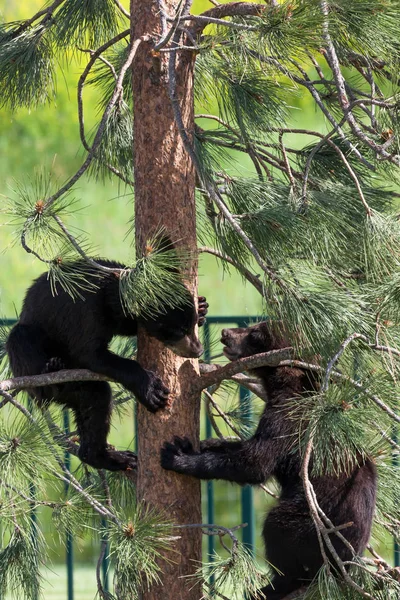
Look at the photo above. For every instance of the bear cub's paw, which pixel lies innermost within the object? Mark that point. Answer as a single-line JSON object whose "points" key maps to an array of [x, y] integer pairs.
{"points": [[153, 394], [173, 453]]}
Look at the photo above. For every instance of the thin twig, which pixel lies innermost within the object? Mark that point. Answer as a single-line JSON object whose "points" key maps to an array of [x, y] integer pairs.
{"points": [[126, 13], [102, 593], [335, 358], [251, 277], [322, 532]]}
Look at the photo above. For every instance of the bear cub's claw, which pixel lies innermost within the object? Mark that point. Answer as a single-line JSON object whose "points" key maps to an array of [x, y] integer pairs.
{"points": [[202, 310]]}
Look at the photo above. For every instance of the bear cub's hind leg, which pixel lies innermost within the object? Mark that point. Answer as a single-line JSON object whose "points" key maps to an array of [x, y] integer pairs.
{"points": [[92, 407]]}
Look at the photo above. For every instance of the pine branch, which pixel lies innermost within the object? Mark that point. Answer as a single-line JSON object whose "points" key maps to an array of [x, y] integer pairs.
{"points": [[310, 86], [67, 476], [231, 9], [81, 83], [334, 64], [47, 12], [339, 376], [98, 137]]}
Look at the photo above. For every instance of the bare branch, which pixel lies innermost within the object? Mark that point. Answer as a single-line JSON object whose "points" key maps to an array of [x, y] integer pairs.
{"points": [[64, 376], [251, 277], [335, 358], [122, 9], [270, 359], [231, 9], [101, 591], [249, 383]]}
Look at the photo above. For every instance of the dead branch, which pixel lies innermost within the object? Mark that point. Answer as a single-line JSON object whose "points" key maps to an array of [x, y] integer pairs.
{"points": [[270, 359]]}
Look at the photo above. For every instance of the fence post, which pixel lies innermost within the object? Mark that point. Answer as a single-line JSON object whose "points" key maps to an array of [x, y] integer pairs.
{"points": [[69, 541], [209, 484]]}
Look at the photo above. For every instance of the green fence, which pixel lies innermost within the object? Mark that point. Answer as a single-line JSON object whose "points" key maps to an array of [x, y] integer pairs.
{"points": [[247, 508]]}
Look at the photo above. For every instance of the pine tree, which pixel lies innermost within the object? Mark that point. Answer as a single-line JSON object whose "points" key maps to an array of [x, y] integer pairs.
{"points": [[314, 229]]}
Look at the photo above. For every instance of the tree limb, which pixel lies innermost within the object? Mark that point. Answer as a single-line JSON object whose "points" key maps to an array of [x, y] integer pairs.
{"points": [[64, 376], [270, 359]]}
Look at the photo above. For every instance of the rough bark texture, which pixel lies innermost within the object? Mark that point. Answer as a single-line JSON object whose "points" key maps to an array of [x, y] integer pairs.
{"points": [[164, 195]]}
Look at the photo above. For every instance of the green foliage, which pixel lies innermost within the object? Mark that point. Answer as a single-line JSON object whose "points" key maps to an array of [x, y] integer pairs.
{"points": [[74, 515], [343, 426], [384, 587], [90, 23], [26, 66], [29, 215], [369, 27], [20, 561], [136, 547], [117, 144], [290, 29], [23, 450], [103, 79], [154, 284], [3, 340], [246, 97], [237, 575], [332, 265]]}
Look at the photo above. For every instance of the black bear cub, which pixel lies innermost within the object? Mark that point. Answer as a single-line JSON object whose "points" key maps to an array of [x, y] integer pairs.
{"points": [[289, 533], [57, 332]]}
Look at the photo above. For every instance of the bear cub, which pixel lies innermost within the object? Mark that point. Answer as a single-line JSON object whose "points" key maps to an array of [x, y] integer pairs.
{"points": [[289, 533], [57, 332]]}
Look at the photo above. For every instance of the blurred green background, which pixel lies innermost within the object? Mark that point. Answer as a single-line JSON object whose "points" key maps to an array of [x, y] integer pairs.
{"points": [[47, 140]]}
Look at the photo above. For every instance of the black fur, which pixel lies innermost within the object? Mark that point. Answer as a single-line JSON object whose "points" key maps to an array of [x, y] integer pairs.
{"points": [[289, 533], [55, 331]]}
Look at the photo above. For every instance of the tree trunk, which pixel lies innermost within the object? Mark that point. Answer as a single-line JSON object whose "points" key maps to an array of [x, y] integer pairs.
{"points": [[164, 196]]}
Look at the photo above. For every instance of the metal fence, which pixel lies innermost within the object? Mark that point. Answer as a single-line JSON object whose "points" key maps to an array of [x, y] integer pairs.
{"points": [[246, 494]]}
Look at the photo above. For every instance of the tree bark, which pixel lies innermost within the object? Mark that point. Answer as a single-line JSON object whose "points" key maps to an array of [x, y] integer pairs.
{"points": [[164, 196]]}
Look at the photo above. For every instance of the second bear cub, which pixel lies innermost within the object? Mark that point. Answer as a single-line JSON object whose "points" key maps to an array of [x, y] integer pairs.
{"points": [[289, 533]]}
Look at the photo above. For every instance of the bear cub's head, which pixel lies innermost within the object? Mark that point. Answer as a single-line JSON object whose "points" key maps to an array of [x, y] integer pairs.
{"points": [[176, 329], [241, 342]]}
